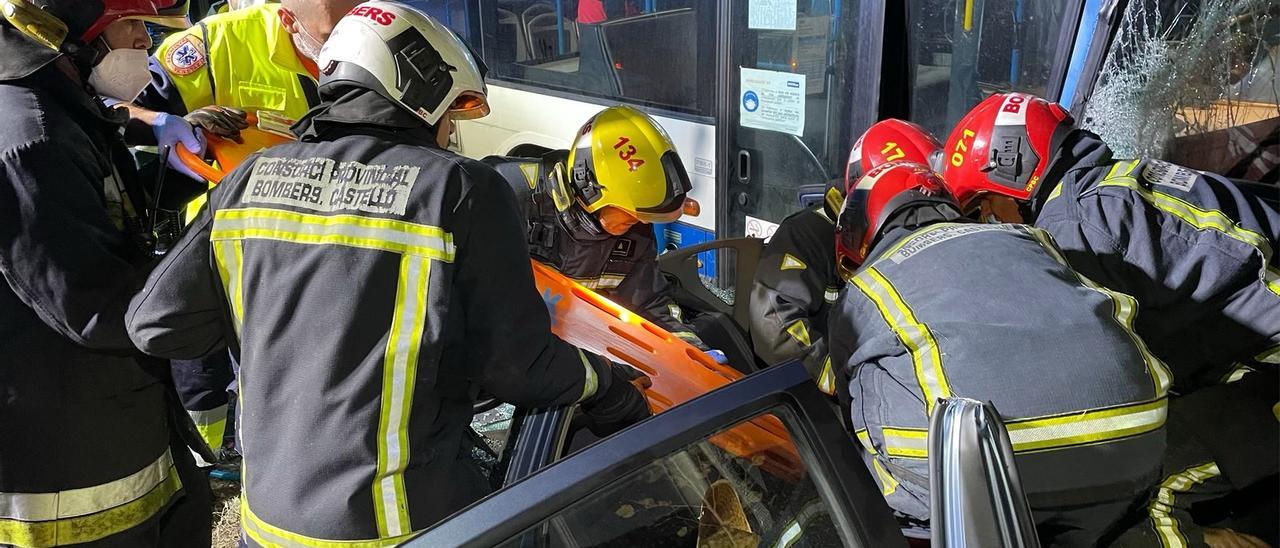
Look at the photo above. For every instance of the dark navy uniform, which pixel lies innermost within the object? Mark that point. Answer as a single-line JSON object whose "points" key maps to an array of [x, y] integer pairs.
{"points": [[623, 268], [371, 285], [795, 286], [1197, 253], [993, 312], [87, 453]]}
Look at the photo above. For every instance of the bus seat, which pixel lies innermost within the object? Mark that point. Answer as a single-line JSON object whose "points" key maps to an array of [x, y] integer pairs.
{"points": [[542, 33], [508, 18], [527, 16]]}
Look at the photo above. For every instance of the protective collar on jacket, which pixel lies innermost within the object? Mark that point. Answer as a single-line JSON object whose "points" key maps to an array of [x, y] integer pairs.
{"points": [[910, 219], [1080, 149], [22, 56], [363, 108]]}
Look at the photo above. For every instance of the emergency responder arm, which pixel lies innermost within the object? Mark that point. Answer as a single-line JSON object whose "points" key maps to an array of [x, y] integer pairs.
{"points": [[791, 286], [508, 330], [647, 293], [60, 251], [1193, 257], [180, 312]]}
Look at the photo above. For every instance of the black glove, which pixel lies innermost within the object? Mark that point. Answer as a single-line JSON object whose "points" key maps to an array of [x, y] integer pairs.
{"points": [[219, 120], [617, 403]]}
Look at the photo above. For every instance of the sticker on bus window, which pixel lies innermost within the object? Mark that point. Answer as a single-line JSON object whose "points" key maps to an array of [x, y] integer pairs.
{"points": [[771, 14], [771, 100], [760, 228]]}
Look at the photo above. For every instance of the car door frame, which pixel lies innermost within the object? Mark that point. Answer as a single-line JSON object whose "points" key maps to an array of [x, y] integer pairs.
{"points": [[858, 510]]}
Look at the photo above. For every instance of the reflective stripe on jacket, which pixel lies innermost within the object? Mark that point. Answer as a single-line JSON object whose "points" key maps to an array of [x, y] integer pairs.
{"points": [[1197, 253], [992, 312], [371, 285], [623, 268], [79, 417], [795, 287]]}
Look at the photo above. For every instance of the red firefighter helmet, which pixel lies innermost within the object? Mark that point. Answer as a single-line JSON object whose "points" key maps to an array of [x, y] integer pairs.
{"points": [[877, 196], [56, 23], [1003, 146], [890, 141]]}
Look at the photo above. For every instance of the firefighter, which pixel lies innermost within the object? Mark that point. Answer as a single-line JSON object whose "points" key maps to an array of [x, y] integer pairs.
{"points": [[938, 308], [371, 283], [590, 209], [89, 451], [796, 282], [256, 58], [1196, 251]]}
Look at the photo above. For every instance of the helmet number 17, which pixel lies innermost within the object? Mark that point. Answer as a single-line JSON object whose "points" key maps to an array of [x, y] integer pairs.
{"points": [[628, 154]]}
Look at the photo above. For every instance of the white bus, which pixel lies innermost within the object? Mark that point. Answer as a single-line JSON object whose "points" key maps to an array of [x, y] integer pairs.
{"points": [[765, 97], [762, 98]]}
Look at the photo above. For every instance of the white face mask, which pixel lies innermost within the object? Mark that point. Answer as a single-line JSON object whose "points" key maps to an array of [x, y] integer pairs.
{"points": [[307, 45], [122, 74]]}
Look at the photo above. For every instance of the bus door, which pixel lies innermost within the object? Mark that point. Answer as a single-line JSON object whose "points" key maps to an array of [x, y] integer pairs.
{"points": [[792, 104]]}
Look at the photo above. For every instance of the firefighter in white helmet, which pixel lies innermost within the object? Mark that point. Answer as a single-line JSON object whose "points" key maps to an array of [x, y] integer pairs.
{"points": [[371, 283]]}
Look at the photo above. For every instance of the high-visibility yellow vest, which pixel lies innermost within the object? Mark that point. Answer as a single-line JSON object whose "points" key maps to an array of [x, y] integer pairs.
{"points": [[243, 59]]}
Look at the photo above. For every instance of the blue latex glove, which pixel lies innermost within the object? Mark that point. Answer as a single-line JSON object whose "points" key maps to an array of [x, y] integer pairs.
{"points": [[718, 356], [173, 131]]}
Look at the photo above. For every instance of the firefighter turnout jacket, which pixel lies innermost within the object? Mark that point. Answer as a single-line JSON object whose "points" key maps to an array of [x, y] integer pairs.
{"points": [[795, 286], [243, 59], [1197, 253], [371, 285], [84, 441], [623, 268], [993, 313]]}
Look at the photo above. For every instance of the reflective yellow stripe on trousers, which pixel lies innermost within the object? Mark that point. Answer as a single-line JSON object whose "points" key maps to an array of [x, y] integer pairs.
{"points": [[418, 245], [1053, 432], [91, 513], [915, 335], [271, 536], [1161, 508], [1202, 219]]}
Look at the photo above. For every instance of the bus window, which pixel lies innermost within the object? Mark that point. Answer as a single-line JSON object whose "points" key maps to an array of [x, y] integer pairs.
{"points": [[963, 50], [1193, 82], [609, 49]]}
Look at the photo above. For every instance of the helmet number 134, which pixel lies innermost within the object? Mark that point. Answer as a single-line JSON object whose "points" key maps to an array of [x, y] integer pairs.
{"points": [[628, 154]]}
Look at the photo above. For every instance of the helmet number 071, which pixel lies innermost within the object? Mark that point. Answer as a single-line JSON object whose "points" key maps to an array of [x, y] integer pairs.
{"points": [[957, 157]]}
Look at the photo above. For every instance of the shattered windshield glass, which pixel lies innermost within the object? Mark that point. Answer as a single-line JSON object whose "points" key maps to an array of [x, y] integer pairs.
{"points": [[1194, 81]]}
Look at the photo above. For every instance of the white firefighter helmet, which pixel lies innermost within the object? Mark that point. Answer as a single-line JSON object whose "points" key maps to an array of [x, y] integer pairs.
{"points": [[407, 57]]}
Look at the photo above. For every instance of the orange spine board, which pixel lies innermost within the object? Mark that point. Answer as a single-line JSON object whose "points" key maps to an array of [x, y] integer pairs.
{"points": [[679, 371]]}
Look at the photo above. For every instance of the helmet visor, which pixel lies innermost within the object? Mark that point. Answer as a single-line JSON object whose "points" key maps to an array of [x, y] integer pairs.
{"points": [[469, 106], [677, 186], [851, 230]]}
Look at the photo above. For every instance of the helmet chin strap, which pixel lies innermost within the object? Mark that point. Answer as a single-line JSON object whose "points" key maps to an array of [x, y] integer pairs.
{"points": [[581, 224], [85, 56]]}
